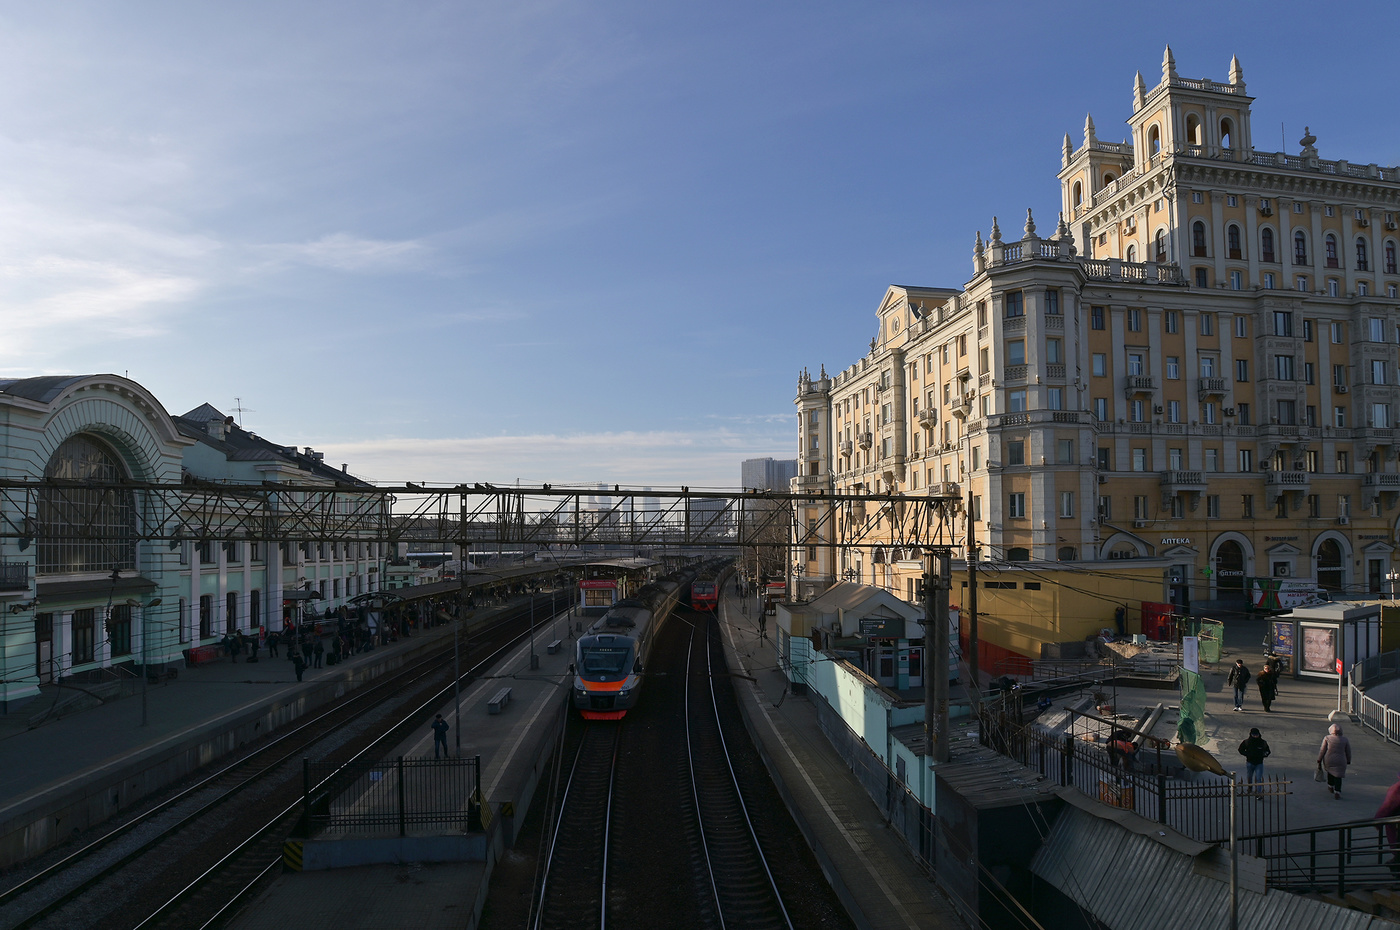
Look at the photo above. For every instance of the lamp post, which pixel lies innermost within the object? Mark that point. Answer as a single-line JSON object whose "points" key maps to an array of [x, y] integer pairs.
{"points": [[1392, 576], [145, 654]]}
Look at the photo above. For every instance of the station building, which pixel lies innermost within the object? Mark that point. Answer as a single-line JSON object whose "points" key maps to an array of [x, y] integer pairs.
{"points": [[1191, 382], [84, 594]]}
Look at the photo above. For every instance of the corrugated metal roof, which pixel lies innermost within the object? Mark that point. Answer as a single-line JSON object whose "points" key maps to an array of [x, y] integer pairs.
{"points": [[1132, 880], [43, 389]]}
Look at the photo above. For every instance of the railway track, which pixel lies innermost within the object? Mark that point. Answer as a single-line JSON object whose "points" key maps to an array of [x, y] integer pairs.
{"points": [[745, 892], [118, 879]]}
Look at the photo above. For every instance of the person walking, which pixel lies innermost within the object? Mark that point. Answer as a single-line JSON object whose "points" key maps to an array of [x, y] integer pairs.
{"points": [[1238, 678], [440, 728], [1267, 683], [1255, 750], [1333, 758], [271, 643], [1390, 807], [299, 664], [317, 651]]}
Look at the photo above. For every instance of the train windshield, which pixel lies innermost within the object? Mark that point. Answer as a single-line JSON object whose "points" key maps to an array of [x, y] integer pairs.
{"points": [[606, 660]]}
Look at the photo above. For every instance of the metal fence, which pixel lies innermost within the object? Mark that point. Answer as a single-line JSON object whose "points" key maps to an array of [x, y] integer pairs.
{"points": [[1337, 858], [1199, 808], [901, 808], [395, 796], [1374, 670]]}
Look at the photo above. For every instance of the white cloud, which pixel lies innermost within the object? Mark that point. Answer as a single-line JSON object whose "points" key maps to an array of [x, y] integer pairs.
{"points": [[656, 459], [344, 252]]}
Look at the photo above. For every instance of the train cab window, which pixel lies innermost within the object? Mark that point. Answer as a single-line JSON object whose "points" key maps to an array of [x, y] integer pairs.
{"points": [[606, 660]]}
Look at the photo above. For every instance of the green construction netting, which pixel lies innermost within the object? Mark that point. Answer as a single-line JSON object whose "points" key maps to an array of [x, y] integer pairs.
{"points": [[1211, 634], [1190, 727]]}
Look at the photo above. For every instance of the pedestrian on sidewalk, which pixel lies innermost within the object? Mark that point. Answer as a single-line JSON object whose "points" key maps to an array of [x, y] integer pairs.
{"points": [[1333, 758], [271, 644], [1255, 750], [440, 728], [317, 651], [1238, 678], [299, 664], [1390, 807], [1267, 683]]}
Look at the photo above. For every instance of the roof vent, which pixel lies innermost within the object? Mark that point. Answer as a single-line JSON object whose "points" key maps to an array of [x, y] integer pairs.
{"points": [[215, 428]]}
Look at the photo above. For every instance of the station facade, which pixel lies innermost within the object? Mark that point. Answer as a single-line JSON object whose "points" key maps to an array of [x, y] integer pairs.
{"points": [[1189, 383], [82, 594]]}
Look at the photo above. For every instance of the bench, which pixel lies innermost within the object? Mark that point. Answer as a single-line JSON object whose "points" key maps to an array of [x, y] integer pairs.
{"points": [[498, 702], [553, 647]]}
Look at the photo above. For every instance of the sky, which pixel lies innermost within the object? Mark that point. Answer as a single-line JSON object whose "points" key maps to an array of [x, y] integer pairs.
{"points": [[563, 242]]}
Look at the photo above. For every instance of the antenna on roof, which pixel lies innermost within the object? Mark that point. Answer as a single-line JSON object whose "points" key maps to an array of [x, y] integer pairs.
{"points": [[239, 409]]}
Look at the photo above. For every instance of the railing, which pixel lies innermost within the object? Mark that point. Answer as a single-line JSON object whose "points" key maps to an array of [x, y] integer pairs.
{"points": [[1015, 373], [1205, 84], [1211, 386], [1338, 858], [14, 575], [1139, 383], [1287, 479], [1054, 371], [1183, 477], [389, 797], [1198, 809], [1373, 670], [1381, 480], [1013, 324], [1054, 321]]}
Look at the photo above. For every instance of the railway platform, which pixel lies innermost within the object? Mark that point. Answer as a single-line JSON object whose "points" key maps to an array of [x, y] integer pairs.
{"points": [[514, 744], [868, 866], [85, 766]]}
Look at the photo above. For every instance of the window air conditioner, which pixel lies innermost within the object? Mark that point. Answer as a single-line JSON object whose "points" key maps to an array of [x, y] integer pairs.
{"points": [[1341, 389], [1157, 408], [1343, 521], [1266, 208], [1229, 411]]}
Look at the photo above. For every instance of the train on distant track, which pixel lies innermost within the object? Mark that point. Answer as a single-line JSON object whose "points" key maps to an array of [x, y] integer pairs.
{"points": [[704, 590], [610, 658]]}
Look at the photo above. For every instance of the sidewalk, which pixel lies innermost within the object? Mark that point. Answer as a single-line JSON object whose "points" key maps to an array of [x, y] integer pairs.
{"points": [[870, 868]]}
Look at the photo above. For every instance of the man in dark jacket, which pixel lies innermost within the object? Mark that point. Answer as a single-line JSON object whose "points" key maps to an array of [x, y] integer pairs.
{"points": [[1255, 750], [1267, 683], [1238, 678]]}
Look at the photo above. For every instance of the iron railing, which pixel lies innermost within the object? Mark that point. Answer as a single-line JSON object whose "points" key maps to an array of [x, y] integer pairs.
{"points": [[1199, 808], [1337, 858], [375, 798]]}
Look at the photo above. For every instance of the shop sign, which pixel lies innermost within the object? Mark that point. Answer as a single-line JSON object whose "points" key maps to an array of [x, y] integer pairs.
{"points": [[1176, 540]]}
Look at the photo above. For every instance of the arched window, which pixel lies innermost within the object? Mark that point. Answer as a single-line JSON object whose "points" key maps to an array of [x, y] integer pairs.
{"points": [[1390, 257], [1078, 194], [1193, 129], [1154, 141], [1161, 242], [1300, 248], [87, 529], [1226, 130], [1068, 553], [1018, 554], [1330, 244], [1266, 245], [1232, 240], [1108, 179], [1198, 239], [1131, 254], [1362, 262], [1331, 568], [879, 557], [1229, 566]]}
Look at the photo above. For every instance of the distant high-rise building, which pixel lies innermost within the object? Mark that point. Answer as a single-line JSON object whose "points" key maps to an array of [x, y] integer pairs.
{"points": [[768, 474]]}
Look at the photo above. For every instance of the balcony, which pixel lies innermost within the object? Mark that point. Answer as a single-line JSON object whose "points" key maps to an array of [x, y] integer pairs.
{"points": [[1139, 384], [1206, 387], [962, 406], [1287, 432], [1189, 484], [866, 440], [847, 447], [1382, 480], [14, 576], [944, 489], [1278, 482], [928, 418]]}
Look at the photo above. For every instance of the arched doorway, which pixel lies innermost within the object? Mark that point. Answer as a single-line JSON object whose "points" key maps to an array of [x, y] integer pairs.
{"points": [[1331, 568], [1229, 566]]}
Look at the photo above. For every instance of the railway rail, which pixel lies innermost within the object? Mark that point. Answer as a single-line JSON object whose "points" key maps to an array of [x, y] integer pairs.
{"points": [[77, 890]]}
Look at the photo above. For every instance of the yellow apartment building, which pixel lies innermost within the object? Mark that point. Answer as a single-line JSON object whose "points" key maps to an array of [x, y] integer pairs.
{"points": [[1191, 382]]}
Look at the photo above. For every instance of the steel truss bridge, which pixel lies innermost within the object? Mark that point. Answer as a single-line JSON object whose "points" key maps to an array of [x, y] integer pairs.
{"points": [[54, 510]]}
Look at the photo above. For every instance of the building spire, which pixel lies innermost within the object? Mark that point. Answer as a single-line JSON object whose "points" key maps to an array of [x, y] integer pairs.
{"points": [[1069, 150], [1236, 72], [1168, 65], [1030, 224], [1089, 137], [1139, 92]]}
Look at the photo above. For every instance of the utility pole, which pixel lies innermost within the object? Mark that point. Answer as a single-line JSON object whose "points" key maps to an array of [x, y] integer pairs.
{"points": [[974, 687], [937, 579]]}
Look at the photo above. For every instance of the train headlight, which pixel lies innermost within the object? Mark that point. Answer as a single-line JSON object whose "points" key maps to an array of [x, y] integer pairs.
{"points": [[623, 693]]}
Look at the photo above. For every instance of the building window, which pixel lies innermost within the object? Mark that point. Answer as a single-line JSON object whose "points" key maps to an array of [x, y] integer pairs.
{"points": [[1241, 327], [1104, 454], [1161, 244], [1016, 505], [1339, 417], [1307, 330], [1173, 320], [1100, 365], [1287, 413], [1198, 239], [1054, 352], [1314, 506], [1197, 196], [1136, 411], [1139, 460], [1056, 398], [1096, 318], [1207, 324], [1201, 279], [1283, 323], [1135, 367], [1105, 508], [1246, 460], [1266, 245], [1343, 463], [1173, 368], [1337, 333], [1066, 503], [1334, 287], [1174, 459], [1016, 452], [1302, 283], [1178, 508], [1377, 328], [1232, 240], [1015, 305], [1208, 412], [1134, 320], [1242, 413], [1283, 367], [1362, 261], [1269, 281], [84, 636], [254, 609], [1064, 452], [1213, 506], [231, 611], [1313, 457], [1052, 302], [1300, 249], [1101, 409], [1236, 281], [1140, 511], [1377, 371], [206, 616], [1380, 416], [1329, 244], [105, 517], [1242, 369], [1247, 505], [1308, 376], [1016, 401], [1212, 460], [1208, 366], [1173, 411]]}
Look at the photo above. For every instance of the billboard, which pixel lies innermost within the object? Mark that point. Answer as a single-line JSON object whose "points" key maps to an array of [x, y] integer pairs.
{"points": [[1284, 593]]}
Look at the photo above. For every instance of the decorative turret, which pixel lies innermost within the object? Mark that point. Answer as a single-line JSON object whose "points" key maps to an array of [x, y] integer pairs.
{"points": [[1139, 92], [1168, 66], [994, 245], [979, 260], [1236, 73], [1089, 137], [1068, 153]]}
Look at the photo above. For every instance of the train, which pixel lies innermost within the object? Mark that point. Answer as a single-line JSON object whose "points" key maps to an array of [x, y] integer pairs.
{"points": [[611, 655], [704, 591]]}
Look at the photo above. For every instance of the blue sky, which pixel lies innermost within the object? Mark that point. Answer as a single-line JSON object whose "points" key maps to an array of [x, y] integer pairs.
{"points": [[553, 241]]}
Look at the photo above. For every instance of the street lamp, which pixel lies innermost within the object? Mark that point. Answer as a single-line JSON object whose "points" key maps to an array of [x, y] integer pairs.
{"points": [[145, 652], [1392, 576]]}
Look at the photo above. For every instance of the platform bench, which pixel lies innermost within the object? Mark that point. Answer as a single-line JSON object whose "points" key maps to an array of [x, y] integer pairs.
{"points": [[498, 702], [553, 647]]}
